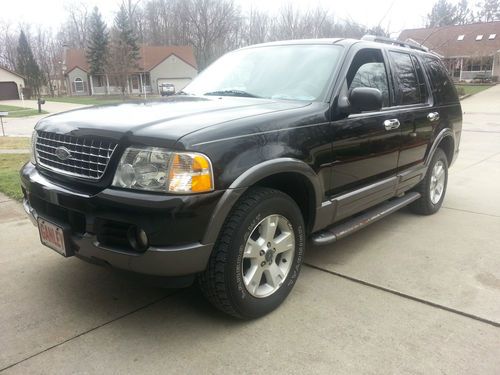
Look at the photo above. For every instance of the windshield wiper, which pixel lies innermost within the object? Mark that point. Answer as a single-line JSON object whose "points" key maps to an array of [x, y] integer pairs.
{"points": [[232, 93]]}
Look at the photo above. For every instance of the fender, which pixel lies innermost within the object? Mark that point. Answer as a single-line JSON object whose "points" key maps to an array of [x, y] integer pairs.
{"points": [[248, 179], [446, 132]]}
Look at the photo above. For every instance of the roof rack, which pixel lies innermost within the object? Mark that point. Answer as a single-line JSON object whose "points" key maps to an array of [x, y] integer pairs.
{"points": [[394, 42]]}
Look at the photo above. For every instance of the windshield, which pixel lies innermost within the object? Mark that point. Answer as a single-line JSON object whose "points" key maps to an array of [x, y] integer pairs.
{"points": [[296, 72]]}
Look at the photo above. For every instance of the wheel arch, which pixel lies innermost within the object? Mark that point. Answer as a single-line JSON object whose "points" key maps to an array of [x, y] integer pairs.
{"points": [[291, 176], [446, 141]]}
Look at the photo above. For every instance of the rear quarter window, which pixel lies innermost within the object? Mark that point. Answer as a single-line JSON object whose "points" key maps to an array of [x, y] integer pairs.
{"points": [[443, 89]]}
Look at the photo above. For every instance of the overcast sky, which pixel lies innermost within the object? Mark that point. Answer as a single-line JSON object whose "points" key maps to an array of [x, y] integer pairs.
{"points": [[394, 15]]}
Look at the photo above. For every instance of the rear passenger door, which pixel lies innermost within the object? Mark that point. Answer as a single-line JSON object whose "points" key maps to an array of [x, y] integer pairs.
{"points": [[414, 105]]}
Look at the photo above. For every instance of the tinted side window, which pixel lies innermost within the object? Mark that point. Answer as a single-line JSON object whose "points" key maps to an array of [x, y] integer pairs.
{"points": [[422, 86], [368, 70], [442, 87], [405, 79]]}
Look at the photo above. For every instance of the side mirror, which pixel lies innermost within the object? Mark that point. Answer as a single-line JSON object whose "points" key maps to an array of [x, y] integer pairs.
{"points": [[364, 99]]}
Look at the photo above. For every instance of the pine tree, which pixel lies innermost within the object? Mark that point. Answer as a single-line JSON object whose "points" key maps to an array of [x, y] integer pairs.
{"points": [[443, 13], [27, 66], [126, 36], [97, 48], [124, 51]]}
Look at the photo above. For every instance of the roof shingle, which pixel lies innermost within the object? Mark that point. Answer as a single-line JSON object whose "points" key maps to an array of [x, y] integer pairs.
{"points": [[445, 40], [150, 56]]}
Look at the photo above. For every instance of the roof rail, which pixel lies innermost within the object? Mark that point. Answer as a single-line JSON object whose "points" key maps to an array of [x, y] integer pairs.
{"points": [[394, 42]]}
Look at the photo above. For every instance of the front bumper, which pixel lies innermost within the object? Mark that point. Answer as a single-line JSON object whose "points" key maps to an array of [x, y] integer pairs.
{"points": [[175, 225]]}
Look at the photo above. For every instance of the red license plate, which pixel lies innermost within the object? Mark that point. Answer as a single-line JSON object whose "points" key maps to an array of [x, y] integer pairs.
{"points": [[52, 236]]}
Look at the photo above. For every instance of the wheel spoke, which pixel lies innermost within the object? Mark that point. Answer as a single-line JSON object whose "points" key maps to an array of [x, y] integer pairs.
{"points": [[268, 228], [253, 277], [284, 242], [253, 248], [274, 276], [439, 173]]}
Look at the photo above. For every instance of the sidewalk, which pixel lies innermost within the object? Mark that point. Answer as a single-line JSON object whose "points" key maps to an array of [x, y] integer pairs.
{"points": [[23, 126]]}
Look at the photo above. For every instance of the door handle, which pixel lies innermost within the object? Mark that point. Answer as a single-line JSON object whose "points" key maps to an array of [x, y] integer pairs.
{"points": [[433, 116], [391, 124]]}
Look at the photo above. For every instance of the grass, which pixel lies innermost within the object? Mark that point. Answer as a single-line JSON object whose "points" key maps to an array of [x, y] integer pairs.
{"points": [[10, 164], [88, 100], [471, 89], [11, 143], [20, 111]]}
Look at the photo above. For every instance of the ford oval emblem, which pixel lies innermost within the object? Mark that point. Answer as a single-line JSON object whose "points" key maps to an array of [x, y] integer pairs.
{"points": [[62, 153]]}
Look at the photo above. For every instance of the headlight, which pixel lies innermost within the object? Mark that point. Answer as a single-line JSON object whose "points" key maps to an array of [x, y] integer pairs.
{"points": [[34, 135], [157, 169]]}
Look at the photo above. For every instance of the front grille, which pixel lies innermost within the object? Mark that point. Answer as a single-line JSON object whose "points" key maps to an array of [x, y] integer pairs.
{"points": [[87, 157]]}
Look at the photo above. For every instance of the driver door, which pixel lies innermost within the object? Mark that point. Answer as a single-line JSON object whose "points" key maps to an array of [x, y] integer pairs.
{"points": [[366, 145]]}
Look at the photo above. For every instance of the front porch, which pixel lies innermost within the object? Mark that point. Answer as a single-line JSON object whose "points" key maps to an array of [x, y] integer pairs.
{"points": [[474, 69], [136, 84]]}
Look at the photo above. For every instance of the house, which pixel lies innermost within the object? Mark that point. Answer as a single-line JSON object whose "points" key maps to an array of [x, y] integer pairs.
{"points": [[469, 51], [156, 65], [11, 84]]}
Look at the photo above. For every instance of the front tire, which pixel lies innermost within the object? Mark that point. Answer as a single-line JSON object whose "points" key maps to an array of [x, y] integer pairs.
{"points": [[257, 257], [433, 186]]}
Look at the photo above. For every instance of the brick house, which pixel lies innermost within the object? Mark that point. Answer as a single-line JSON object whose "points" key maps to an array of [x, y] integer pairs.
{"points": [[469, 51]]}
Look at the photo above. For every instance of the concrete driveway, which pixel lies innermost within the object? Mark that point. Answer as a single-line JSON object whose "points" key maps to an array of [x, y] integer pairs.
{"points": [[23, 126], [409, 294]]}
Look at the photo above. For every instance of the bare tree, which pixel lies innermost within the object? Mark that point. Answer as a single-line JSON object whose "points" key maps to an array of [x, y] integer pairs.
{"points": [[257, 27], [75, 29], [209, 22], [8, 46]]}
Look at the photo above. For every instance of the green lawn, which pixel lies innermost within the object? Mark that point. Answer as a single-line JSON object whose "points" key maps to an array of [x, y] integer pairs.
{"points": [[11, 143], [88, 100], [10, 164], [19, 111], [471, 89]]}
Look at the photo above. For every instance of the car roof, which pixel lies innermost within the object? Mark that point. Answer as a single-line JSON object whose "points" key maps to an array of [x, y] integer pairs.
{"points": [[346, 42]]}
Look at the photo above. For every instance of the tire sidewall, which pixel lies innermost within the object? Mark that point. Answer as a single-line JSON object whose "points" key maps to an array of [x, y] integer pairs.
{"points": [[438, 155], [246, 304]]}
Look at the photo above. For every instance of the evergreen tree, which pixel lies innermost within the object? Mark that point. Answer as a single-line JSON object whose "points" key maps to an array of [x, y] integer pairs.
{"points": [[443, 13], [124, 51], [126, 37], [27, 66], [98, 43]]}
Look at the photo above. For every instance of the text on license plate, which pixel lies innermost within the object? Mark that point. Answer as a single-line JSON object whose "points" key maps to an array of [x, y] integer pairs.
{"points": [[52, 236]]}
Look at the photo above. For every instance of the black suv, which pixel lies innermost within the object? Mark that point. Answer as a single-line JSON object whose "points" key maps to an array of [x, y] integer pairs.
{"points": [[269, 146]]}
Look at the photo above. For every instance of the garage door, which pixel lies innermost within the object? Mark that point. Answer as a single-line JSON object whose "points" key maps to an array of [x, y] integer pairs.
{"points": [[8, 90], [179, 83]]}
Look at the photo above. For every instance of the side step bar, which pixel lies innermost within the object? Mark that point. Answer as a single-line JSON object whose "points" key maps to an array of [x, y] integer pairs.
{"points": [[338, 231]]}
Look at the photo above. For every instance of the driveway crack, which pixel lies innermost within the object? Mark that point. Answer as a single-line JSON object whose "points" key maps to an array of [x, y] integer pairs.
{"points": [[154, 302], [407, 296]]}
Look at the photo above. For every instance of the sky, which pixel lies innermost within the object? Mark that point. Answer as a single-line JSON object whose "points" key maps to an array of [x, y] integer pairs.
{"points": [[394, 15]]}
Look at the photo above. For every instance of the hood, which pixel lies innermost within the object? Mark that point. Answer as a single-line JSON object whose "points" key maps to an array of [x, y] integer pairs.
{"points": [[168, 119]]}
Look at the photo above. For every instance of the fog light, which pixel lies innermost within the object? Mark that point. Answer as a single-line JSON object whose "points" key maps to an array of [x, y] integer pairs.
{"points": [[138, 238]]}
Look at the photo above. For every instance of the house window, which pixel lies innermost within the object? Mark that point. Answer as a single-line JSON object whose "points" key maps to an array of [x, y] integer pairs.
{"points": [[479, 37], [492, 36], [79, 85], [461, 37]]}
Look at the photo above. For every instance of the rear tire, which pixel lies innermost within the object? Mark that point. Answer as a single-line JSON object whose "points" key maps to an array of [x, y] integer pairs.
{"points": [[433, 186], [257, 257]]}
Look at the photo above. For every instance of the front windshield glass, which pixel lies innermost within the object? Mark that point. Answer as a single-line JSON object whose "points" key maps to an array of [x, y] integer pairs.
{"points": [[295, 72]]}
